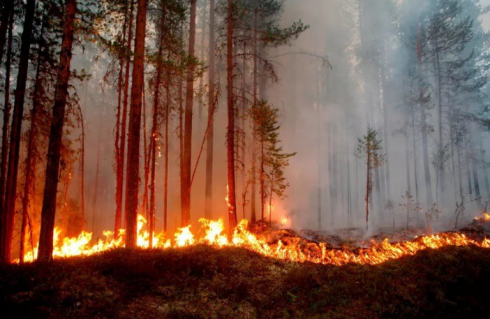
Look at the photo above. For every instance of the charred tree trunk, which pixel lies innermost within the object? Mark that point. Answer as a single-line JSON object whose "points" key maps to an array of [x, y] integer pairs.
{"points": [[189, 102], [131, 208], [211, 111], [8, 211], [230, 134], [56, 134]]}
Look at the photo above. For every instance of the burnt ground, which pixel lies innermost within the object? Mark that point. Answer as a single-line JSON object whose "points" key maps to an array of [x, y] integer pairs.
{"points": [[203, 282]]}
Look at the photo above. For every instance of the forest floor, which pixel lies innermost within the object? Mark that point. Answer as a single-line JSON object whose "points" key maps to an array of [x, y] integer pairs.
{"points": [[204, 282]]}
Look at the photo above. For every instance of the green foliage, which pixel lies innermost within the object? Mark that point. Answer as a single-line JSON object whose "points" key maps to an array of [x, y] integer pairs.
{"points": [[275, 160], [370, 148]]}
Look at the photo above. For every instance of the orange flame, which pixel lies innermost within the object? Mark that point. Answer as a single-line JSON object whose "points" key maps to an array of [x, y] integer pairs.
{"points": [[484, 218], [291, 249]]}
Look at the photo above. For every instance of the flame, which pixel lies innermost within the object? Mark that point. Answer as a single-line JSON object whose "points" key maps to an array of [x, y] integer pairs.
{"points": [[292, 249], [484, 218]]}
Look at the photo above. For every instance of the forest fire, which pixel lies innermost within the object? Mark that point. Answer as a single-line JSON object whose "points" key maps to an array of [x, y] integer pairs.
{"points": [[484, 218], [292, 249]]}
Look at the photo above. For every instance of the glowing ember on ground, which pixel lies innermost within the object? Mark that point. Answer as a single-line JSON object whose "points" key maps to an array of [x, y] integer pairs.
{"points": [[293, 249]]}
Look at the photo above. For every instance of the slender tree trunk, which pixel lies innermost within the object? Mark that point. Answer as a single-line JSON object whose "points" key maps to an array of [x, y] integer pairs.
{"points": [[82, 172], [440, 170], [4, 24], [165, 186], [368, 185], [423, 116], [97, 178], [31, 145], [415, 168], [55, 139], [189, 102], [230, 135], [211, 111], [201, 58], [8, 211], [147, 151], [154, 129], [254, 137], [135, 127], [407, 155], [122, 147], [6, 122]]}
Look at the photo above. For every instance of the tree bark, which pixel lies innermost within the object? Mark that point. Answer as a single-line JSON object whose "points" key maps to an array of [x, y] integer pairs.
{"points": [[8, 211], [6, 122], [230, 135], [254, 142], [56, 134], [122, 147], [131, 209], [5, 25], [189, 103], [423, 116], [154, 130], [211, 110]]}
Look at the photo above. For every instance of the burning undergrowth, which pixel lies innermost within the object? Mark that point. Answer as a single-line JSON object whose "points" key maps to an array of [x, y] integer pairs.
{"points": [[281, 244]]}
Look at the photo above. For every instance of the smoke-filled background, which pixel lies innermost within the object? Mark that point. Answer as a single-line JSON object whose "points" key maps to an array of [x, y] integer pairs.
{"points": [[390, 65], [325, 106]]}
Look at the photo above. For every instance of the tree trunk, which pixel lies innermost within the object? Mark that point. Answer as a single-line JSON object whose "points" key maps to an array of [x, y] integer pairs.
{"points": [[56, 134], [5, 24], [201, 59], [254, 137], [211, 111], [147, 151], [154, 130], [425, 146], [368, 185], [230, 135], [8, 211], [189, 102], [31, 145], [6, 122], [165, 186], [122, 147], [135, 126]]}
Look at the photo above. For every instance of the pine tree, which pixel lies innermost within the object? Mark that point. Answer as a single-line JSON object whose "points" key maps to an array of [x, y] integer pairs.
{"points": [[370, 148]]}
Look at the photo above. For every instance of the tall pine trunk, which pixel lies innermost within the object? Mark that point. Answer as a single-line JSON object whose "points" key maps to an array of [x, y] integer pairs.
{"points": [[30, 160], [5, 24], [254, 137], [8, 211], [230, 134], [131, 209], [122, 147], [6, 122], [423, 126], [54, 149], [211, 111], [189, 102], [154, 130], [167, 120]]}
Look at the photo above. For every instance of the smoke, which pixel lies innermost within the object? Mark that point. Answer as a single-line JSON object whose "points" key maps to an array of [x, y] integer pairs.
{"points": [[325, 107]]}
